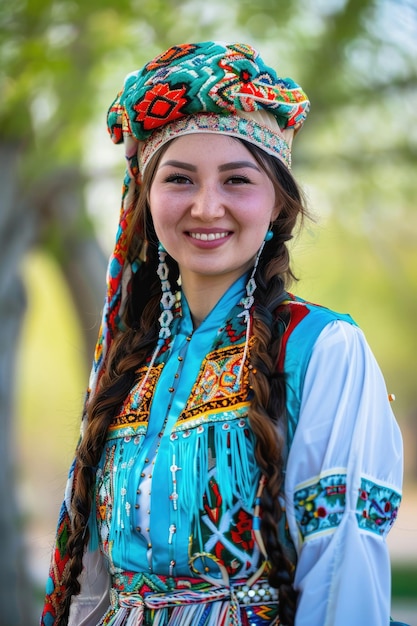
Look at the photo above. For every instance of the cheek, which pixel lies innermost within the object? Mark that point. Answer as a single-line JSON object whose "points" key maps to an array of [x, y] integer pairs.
{"points": [[164, 229], [159, 211], [258, 208], [257, 219]]}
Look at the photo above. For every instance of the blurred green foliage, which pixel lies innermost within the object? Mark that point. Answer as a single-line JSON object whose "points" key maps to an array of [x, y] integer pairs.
{"points": [[404, 581]]}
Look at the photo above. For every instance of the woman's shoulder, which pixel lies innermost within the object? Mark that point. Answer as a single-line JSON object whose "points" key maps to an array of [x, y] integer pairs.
{"points": [[304, 325], [303, 322], [297, 310]]}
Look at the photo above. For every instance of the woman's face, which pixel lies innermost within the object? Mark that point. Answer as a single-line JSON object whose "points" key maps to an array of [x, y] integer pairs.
{"points": [[211, 205]]}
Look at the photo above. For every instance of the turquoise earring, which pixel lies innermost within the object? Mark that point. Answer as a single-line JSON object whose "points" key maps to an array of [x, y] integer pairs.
{"points": [[269, 235]]}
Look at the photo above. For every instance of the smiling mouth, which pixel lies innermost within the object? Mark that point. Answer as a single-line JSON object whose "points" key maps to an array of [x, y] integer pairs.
{"points": [[209, 236]]}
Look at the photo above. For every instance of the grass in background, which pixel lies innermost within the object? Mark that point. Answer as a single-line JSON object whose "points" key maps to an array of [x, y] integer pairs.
{"points": [[50, 385], [404, 581], [52, 375]]}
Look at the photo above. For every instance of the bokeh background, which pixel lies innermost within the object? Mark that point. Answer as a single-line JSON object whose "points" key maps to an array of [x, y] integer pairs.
{"points": [[61, 64]]}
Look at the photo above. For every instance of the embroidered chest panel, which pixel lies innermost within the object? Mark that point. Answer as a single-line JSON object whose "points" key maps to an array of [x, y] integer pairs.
{"points": [[214, 392], [215, 396]]}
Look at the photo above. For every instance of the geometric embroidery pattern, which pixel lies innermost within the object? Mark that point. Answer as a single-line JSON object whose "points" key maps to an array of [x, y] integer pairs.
{"points": [[105, 499], [59, 563], [214, 389], [135, 409], [319, 505], [377, 507], [227, 533]]}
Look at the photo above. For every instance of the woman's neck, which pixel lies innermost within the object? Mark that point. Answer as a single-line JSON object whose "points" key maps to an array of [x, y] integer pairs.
{"points": [[203, 294]]}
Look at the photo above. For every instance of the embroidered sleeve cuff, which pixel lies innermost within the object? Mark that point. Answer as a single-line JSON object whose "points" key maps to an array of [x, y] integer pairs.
{"points": [[320, 505]]}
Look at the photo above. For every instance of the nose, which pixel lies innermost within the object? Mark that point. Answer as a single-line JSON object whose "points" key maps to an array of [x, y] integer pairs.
{"points": [[208, 203]]}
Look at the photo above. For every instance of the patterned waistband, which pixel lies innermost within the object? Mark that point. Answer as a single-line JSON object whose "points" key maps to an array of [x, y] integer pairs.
{"points": [[224, 604]]}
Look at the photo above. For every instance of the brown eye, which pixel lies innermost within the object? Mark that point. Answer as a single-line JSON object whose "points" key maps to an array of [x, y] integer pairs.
{"points": [[179, 179], [238, 180]]}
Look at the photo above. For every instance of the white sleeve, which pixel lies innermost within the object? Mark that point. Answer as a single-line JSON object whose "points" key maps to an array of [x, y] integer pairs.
{"points": [[343, 485]]}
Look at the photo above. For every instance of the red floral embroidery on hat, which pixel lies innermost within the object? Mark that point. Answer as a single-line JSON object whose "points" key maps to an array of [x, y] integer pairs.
{"points": [[160, 105], [258, 91], [174, 53], [245, 76]]}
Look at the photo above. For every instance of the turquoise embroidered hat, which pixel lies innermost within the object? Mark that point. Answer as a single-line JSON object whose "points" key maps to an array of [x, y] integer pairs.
{"points": [[208, 87]]}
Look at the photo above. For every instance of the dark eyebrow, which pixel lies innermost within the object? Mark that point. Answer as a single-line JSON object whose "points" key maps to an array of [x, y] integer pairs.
{"points": [[222, 168], [235, 165], [180, 164]]}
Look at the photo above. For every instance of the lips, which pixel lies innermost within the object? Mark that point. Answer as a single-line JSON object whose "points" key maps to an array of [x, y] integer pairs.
{"points": [[209, 236]]}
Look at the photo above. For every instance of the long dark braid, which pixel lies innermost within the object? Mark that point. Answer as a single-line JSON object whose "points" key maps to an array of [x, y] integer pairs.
{"points": [[267, 409], [267, 419]]}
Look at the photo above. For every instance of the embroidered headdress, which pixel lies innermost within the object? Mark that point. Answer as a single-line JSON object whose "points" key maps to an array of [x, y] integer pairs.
{"points": [[192, 88], [208, 87]]}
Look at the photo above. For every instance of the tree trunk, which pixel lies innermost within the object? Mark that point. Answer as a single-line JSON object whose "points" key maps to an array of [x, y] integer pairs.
{"points": [[78, 252], [17, 231]]}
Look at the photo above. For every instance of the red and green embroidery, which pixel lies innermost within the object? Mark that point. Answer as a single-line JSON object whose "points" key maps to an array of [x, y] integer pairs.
{"points": [[377, 507]]}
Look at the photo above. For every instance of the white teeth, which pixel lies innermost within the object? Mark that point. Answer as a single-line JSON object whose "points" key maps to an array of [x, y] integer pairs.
{"points": [[208, 236]]}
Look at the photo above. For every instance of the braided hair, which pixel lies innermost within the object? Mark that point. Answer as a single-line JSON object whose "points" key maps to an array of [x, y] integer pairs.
{"points": [[130, 349]]}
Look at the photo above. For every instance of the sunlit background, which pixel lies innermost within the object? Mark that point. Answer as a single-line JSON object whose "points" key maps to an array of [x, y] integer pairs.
{"points": [[61, 64]]}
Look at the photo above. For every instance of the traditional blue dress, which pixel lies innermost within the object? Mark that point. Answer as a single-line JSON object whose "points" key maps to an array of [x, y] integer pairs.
{"points": [[173, 526]]}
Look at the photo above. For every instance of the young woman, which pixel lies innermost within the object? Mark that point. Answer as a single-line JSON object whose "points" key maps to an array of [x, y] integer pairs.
{"points": [[239, 461]]}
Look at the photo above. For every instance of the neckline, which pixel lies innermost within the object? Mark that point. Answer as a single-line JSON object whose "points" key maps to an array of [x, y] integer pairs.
{"points": [[217, 316]]}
